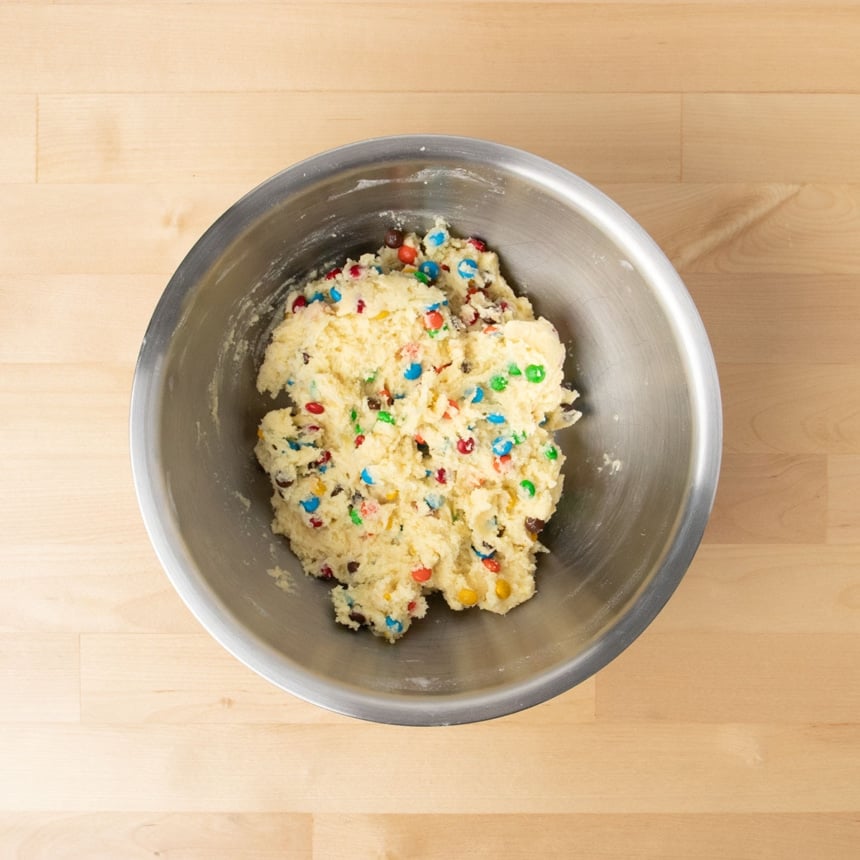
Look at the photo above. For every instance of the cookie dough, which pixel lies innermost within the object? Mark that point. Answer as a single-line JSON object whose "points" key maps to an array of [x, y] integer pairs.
{"points": [[418, 455]]}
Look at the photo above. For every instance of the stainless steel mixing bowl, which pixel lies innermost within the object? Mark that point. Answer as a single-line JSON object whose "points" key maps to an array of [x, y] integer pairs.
{"points": [[642, 463]]}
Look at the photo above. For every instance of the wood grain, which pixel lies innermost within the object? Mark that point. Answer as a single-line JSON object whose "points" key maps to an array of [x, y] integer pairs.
{"points": [[585, 48], [785, 137], [181, 137], [731, 130], [495, 768], [770, 498]]}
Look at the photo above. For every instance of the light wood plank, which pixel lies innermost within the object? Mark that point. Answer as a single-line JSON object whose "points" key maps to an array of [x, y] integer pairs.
{"points": [[101, 587], [791, 408], [137, 678], [843, 508], [786, 137], [39, 678], [770, 498], [139, 835], [246, 137], [607, 837], [86, 229], [498, 47], [770, 588], [499, 769], [18, 138], [780, 318], [733, 678], [750, 228], [117, 311]]}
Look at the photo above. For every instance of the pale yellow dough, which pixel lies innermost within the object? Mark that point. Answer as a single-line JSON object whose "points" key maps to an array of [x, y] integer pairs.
{"points": [[444, 512]]}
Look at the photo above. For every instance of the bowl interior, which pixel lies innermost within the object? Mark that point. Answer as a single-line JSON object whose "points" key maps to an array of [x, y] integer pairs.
{"points": [[623, 533]]}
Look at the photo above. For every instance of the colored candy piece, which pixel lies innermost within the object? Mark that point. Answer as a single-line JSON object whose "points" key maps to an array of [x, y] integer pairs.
{"points": [[479, 394], [422, 574], [332, 274], [519, 437], [441, 476], [413, 371], [430, 269], [476, 243], [513, 370], [435, 238], [310, 504], [528, 487], [317, 297], [491, 564], [354, 516], [360, 306], [335, 294], [467, 268], [407, 254], [434, 501], [299, 302], [503, 589], [502, 445], [385, 417], [316, 522], [481, 554], [366, 476], [315, 408], [433, 320], [466, 446], [393, 624], [420, 276], [551, 452], [393, 238], [495, 418], [467, 596], [535, 373], [498, 383]]}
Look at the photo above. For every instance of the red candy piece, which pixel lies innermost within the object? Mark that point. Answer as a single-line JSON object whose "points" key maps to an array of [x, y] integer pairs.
{"points": [[316, 522], [422, 574], [407, 254], [434, 320], [315, 408], [442, 476], [445, 268], [477, 244], [329, 276], [323, 458], [355, 270], [326, 572], [359, 440], [360, 306], [466, 446], [491, 564], [299, 302], [501, 462], [410, 607]]}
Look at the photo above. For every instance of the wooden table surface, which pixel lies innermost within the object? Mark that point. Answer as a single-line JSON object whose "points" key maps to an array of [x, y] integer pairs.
{"points": [[731, 728]]}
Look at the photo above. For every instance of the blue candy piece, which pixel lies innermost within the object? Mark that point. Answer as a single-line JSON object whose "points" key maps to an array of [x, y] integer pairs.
{"points": [[479, 395], [317, 297], [467, 268], [335, 294], [436, 238], [294, 446], [413, 371], [366, 476], [310, 504], [377, 269], [495, 418], [394, 624], [430, 269], [434, 502], [502, 446], [480, 554]]}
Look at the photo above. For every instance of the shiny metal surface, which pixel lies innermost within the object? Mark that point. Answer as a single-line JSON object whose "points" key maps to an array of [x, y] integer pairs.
{"points": [[643, 462]]}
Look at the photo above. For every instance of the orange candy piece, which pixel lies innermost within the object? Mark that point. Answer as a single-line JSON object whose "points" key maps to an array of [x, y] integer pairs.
{"points": [[422, 574], [433, 320]]}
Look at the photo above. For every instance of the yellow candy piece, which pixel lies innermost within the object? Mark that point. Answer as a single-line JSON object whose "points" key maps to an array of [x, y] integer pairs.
{"points": [[467, 596], [512, 501], [503, 589], [381, 315], [319, 488], [260, 433], [390, 497], [387, 595]]}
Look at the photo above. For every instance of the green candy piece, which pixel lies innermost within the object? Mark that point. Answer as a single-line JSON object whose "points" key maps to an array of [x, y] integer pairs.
{"points": [[386, 417], [498, 383], [422, 277], [535, 373], [519, 437], [353, 415], [551, 453], [432, 332], [353, 515], [358, 430], [529, 487], [513, 370]]}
